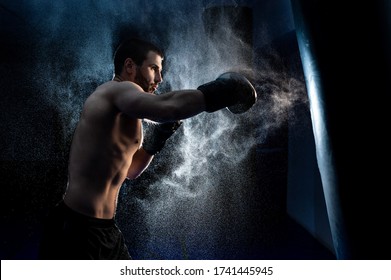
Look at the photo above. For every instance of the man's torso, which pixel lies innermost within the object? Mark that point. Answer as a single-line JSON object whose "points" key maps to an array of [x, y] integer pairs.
{"points": [[102, 148]]}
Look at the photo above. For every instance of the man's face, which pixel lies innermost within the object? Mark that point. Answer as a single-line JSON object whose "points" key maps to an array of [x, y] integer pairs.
{"points": [[149, 74]]}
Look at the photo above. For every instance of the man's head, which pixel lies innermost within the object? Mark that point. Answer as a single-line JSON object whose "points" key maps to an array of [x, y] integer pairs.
{"points": [[140, 62]]}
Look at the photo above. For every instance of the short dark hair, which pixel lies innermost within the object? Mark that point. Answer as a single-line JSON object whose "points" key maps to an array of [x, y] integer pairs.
{"points": [[134, 48]]}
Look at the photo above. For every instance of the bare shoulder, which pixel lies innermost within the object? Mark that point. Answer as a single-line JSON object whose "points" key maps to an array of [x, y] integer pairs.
{"points": [[108, 92], [107, 97], [99, 101], [113, 87]]}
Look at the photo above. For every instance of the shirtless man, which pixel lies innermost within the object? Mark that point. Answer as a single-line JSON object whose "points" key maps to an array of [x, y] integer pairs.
{"points": [[108, 147]]}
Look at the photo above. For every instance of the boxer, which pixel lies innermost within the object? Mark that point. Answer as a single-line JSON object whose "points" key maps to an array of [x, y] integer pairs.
{"points": [[108, 146]]}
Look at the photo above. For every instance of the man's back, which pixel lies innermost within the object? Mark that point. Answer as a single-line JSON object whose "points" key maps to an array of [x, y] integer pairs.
{"points": [[102, 148]]}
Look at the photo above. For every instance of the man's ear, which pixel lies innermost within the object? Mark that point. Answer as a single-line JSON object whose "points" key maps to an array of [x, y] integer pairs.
{"points": [[130, 66]]}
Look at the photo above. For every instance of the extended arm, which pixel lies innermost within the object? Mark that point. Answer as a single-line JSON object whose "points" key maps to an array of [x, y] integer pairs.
{"points": [[230, 90], [171, 106]]}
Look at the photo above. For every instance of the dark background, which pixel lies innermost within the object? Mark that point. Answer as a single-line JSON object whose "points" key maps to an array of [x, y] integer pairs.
{"points": [[225, 187]]}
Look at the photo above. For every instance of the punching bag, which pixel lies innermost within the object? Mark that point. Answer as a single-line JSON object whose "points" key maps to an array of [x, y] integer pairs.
{"points": [[345, 52]]}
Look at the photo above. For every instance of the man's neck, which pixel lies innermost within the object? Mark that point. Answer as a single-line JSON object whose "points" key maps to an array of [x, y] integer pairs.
{"points": [[118, 78]]}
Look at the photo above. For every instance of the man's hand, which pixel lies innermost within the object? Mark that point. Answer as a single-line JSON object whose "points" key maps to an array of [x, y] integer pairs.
{"points": [[231, 90], [155, 140]]}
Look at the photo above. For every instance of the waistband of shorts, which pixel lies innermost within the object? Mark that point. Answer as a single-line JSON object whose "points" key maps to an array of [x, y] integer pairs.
{"points": [[87, 220]]}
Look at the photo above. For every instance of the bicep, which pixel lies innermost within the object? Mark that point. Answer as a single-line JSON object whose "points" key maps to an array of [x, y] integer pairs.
{"points": [[165, 107], [138, 104]]}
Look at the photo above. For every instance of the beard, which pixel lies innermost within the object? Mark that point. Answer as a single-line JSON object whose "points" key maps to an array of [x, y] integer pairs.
{"points": [[142, 82]]}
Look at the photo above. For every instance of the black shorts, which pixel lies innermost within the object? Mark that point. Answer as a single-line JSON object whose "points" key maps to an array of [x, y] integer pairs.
{"points": [[68, 235]]}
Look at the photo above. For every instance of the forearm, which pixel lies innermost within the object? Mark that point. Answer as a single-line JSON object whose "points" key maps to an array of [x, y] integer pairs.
{"points": [[140, 162], [229, 90], [190, 103]]}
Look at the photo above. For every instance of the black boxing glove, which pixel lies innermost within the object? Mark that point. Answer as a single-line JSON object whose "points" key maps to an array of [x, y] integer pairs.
{"points": [[156, 138], [231, 90]]}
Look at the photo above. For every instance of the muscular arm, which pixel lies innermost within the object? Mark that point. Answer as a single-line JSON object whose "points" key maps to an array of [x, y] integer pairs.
{"points": [[176, 105]]}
